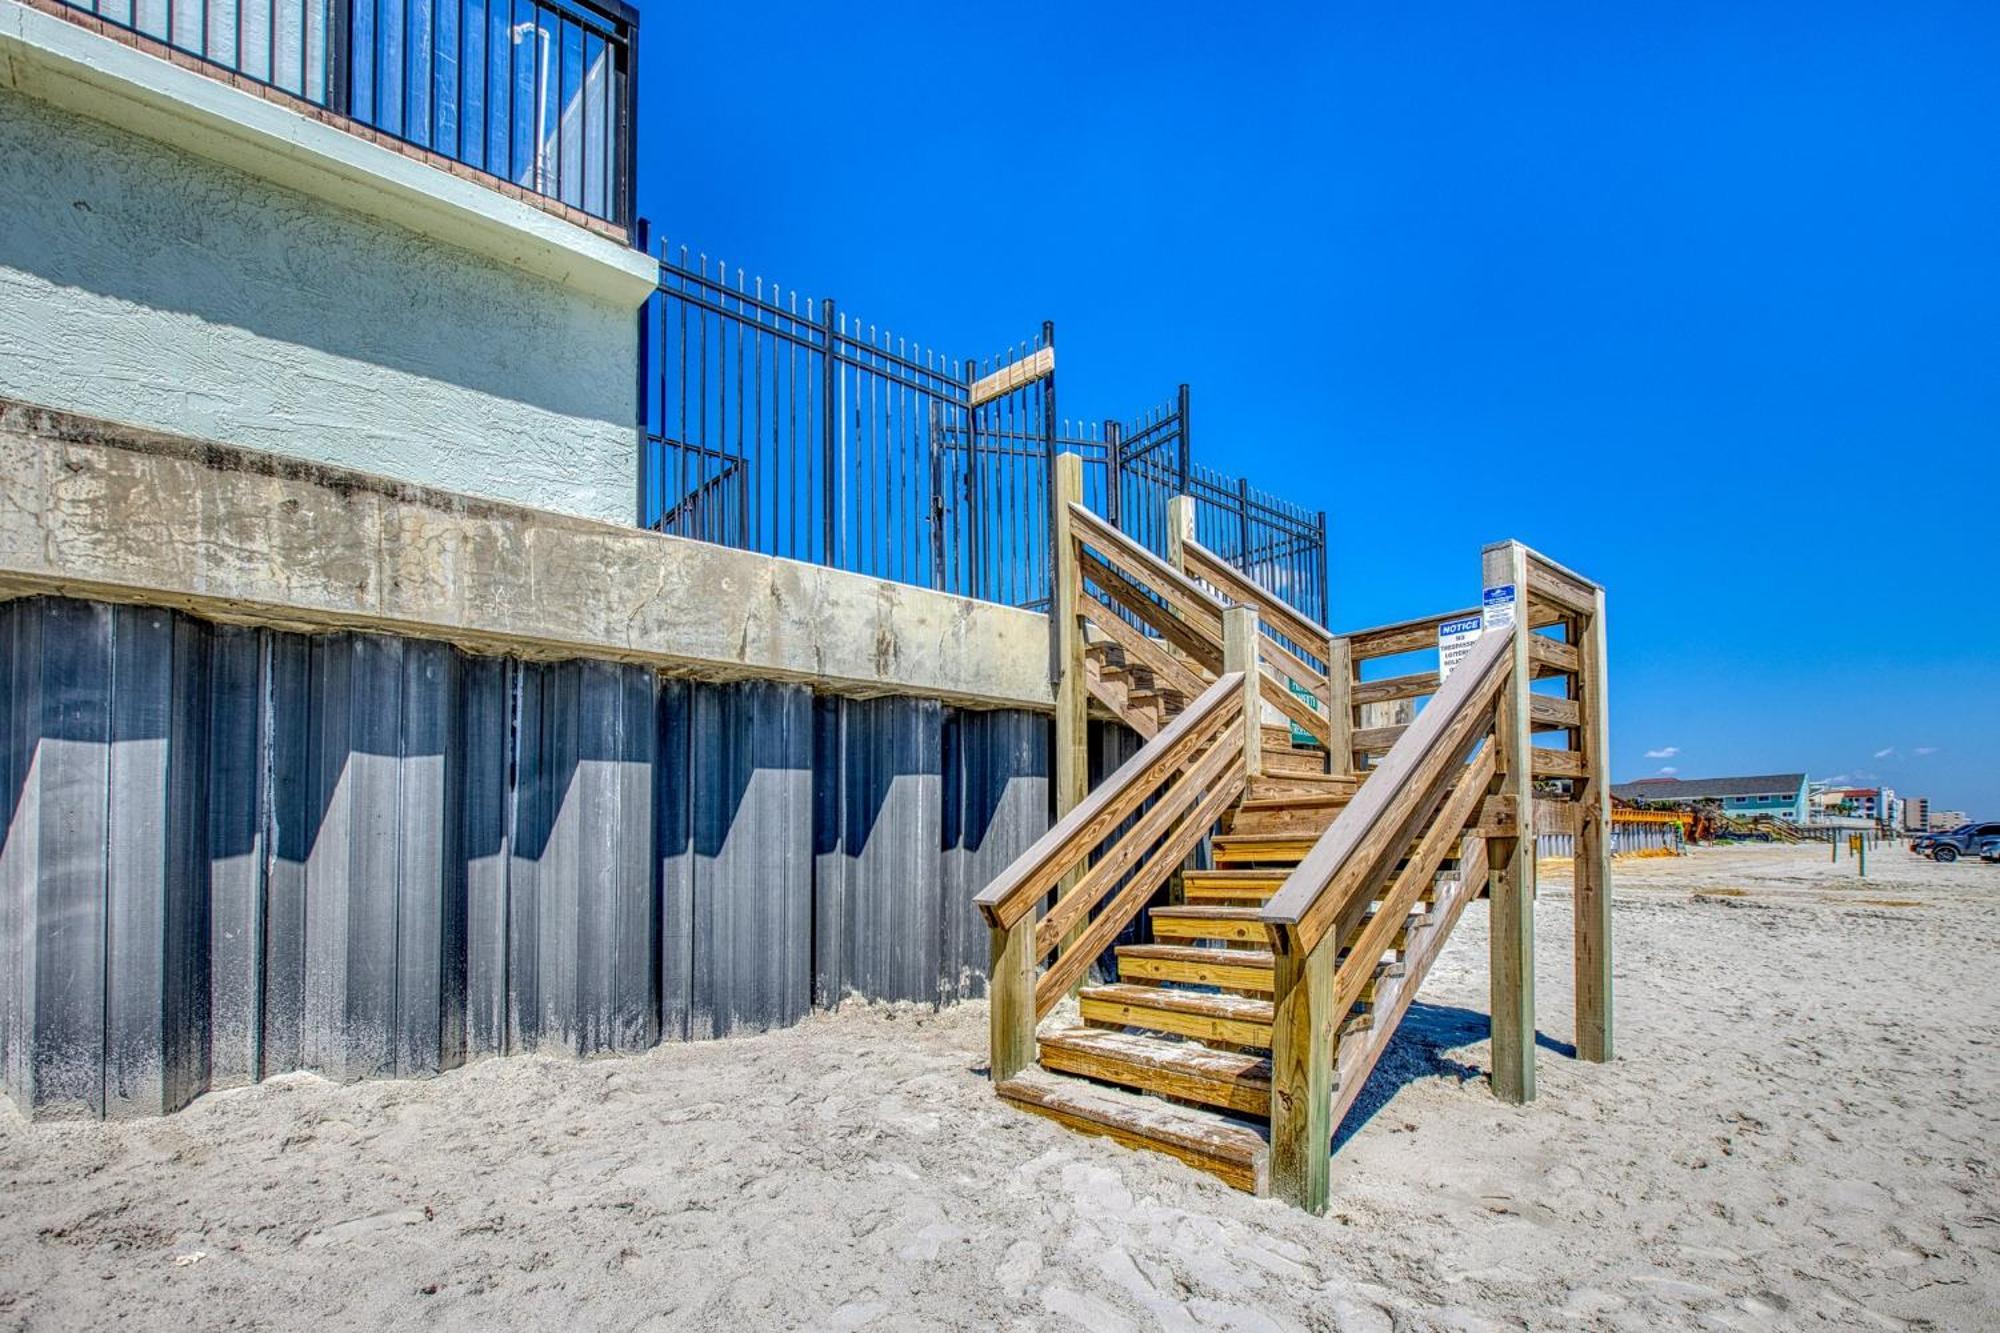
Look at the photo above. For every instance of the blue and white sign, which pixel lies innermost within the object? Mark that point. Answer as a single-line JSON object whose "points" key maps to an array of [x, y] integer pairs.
{"points": [[1499, 604], [1455, 640]]}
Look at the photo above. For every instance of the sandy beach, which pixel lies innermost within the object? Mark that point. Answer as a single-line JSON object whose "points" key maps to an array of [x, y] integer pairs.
{"points": [[1799, 1131]]}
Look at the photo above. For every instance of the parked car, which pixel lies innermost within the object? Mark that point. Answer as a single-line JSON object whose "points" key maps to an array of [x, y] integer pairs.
{"points": [[1965, 840], [1989, 849]]}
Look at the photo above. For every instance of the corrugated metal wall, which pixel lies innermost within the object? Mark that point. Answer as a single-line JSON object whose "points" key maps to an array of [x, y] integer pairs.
{"points": [[232, 852]]}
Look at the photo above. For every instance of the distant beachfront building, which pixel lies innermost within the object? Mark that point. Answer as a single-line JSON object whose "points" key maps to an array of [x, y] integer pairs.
{"points": [[1917, 814], [1782, 795], [1943, 821], [1877, 803]]}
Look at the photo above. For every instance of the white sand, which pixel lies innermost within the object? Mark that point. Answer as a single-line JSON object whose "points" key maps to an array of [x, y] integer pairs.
{"points": [[1800, 1131]]}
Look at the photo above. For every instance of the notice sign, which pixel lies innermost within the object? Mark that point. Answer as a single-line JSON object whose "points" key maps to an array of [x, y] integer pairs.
{"points": [[1499, 604], [1455, 640]]}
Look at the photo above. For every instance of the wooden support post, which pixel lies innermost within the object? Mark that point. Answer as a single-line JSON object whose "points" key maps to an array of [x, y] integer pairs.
{"points": [[1239, 653], [1010, 996], [1302, 1071], [1180, 530], [1072, 688], [1593, 844], [1511, 860], [1340, 706]]}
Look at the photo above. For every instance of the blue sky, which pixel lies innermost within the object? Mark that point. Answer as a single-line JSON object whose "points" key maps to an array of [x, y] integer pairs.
{"points": [[1702, 300]]}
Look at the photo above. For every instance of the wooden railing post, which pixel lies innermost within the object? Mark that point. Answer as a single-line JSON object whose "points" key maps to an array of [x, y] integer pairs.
{"points": [[1301, 1069], [1072, 689], [1511, 859], [1010, 998], [1239, 653], [1592, 898], [1340, 706], [1180, 529], [1066, 631]]}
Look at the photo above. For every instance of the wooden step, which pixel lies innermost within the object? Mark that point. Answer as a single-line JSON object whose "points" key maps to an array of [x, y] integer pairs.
{"points": [[1244, 971], [1266, 786], [1231, 888], [1231, 1080], [1204, 1016], [1285, 761], [1234, 1152], [1280, 817], [1247, 849], [1242, 925], [1247, 971]]}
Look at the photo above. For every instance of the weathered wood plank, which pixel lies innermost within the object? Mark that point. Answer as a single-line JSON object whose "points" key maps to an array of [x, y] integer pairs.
{"points": [[1147, 652], [1447, 828], [1188, 599], [1557, 763], [1557, 657], [1390, 689], [1040, 362], [1274, 610], [1019, 887], [1548, 711], [1314, 724], [1378, 740], [1146, 878], [1340, 705], [1233, 1081], [1233, 1152], [1302, 1028], [1549, 581], [1174, 801], [1403, 787], [1199, 638], [1010, 989], [1511, 948], [1593, 847]]}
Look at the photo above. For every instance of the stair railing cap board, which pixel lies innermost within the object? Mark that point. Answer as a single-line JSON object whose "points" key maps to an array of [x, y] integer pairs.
{"points": [[1110, 540], [1273, 606], [1552, 566], [1389, 788], [1014, 894]]}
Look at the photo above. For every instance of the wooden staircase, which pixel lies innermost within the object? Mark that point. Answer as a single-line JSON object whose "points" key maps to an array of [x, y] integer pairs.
{"points": [[1289, 896], [1189, 1018]]}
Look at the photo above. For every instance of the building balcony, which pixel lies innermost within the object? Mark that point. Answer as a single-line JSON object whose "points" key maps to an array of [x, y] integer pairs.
{"points": [[534, 99]]}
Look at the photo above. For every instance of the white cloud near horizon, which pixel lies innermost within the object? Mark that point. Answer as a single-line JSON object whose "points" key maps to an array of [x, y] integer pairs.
{"points": [[1668, 771], [1664, 752], [1885, 752]]}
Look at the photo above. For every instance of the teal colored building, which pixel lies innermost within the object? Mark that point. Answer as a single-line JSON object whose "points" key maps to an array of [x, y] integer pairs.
{"points": [[1782, 795]]}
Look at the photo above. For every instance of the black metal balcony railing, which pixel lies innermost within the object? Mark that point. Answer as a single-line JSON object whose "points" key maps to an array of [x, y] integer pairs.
{"points": [[539, 93]]}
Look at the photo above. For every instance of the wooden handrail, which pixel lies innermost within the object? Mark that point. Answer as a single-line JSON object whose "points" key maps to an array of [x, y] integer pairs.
{"points": [[1196, 633], [1148, 653], [1447, 827], [1275, 611], [1301, 714], [1176, 589], [1013, 895], [1398, 794]]}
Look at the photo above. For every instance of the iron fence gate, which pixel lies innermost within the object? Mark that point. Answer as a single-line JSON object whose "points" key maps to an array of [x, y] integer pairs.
{"points": [[790, 427]]}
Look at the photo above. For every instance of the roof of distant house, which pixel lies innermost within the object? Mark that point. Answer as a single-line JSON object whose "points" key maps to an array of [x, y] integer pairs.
{"points": [[1709, 789]]}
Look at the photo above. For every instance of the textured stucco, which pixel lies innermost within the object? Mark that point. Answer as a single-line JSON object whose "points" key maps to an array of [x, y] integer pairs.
{"points": [[99, 509], [161, 288]]}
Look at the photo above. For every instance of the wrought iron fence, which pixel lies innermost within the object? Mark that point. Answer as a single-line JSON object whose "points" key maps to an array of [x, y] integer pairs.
{"points": [[789, 426], [539, 93]]}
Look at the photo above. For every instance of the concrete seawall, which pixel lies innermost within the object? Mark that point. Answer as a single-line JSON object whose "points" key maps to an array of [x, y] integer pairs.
{"points": [[234, 851], [305, 768]]}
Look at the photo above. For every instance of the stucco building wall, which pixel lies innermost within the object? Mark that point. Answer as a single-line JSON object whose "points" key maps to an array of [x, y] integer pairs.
{"points": [[145, 283]]}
